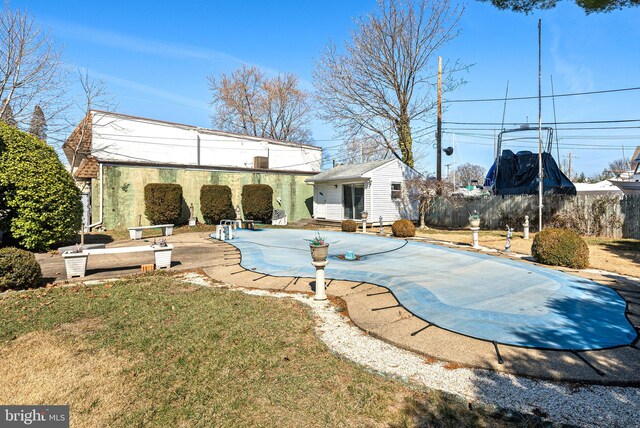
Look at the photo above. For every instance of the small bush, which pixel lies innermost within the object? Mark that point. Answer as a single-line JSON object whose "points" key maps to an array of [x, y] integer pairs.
{"points": [[257, 202], [18, 269], [216, 204], [349, 226], [163, 203], [40, 203], [560, 247], [403, 228]]}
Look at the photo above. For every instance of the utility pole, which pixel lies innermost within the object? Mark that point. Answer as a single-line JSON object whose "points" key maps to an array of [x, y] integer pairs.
{"points": [[570, 156], [449, 175], [540, 172], [439, 124]]}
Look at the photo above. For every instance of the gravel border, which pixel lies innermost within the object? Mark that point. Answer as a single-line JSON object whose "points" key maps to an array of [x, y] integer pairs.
{"points": [[556, 402]]}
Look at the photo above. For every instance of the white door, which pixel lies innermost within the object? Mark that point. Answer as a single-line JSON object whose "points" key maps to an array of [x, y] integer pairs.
{"points": [[321, 201]]}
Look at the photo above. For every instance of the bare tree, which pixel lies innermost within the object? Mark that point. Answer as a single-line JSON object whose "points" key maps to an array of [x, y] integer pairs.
{"points": [[468, 172], [358, 150], [31, 70], [248, 102], [95, 97], [423, 191], [38, 125], [384, 82]]}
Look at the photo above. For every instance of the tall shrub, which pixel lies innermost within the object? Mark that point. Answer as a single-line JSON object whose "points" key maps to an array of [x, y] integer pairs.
{"points": [[216, 204], [41, 201], [163, 203], [257, 202]]}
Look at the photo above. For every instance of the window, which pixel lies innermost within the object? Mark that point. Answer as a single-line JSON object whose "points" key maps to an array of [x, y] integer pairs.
{"points": [[396, 190]]}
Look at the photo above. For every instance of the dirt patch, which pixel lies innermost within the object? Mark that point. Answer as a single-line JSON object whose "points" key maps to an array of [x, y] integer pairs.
{"points": [[57, 367], [82, 327]]}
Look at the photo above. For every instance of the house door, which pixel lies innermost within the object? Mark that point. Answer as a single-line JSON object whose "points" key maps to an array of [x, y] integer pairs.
{"points": [[353, 201], [321, 201]]}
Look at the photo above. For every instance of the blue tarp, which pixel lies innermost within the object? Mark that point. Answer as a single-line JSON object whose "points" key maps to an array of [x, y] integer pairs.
{"points": [[478, 295]]}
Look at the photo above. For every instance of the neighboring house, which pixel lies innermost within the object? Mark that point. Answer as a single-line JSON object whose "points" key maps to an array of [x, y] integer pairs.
{"points": [[377, 187], [604, 187], [113, 156]]}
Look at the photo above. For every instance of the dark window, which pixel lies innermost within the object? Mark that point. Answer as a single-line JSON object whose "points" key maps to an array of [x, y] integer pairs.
{"points": [[396, 190]]}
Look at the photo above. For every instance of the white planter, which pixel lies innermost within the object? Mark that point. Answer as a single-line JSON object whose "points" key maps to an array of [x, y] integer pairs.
{"points": [[135, 233], [76, 264], [167, 230], [163, 258]]}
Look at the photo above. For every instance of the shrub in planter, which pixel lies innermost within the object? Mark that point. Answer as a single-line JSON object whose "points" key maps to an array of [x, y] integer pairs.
{"points": [[39, 202], [349, 226], [163, 203], [18, 269], [560, 247], [216, 204], [403, 228], [257, 202]]}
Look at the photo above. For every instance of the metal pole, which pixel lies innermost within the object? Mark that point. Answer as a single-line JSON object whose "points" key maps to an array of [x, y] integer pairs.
{"points": [[439, 124], [540, 174]]}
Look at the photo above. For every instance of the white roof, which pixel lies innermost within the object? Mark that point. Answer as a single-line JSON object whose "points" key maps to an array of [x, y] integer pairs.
{"points": [[602, 187]]}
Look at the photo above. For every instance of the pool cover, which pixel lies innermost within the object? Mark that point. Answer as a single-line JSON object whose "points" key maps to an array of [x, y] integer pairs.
{"points": [[478, 295]]}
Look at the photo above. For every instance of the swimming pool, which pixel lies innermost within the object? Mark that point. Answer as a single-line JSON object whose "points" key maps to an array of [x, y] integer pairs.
{"points": [[477, 295]]}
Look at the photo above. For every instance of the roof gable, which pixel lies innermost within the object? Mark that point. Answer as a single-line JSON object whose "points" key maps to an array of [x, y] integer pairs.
{"points": [[348, 172]]}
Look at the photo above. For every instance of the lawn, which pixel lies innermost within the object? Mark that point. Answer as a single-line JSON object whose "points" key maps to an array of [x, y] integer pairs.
{"points": [[615, 255], [154, 351]]}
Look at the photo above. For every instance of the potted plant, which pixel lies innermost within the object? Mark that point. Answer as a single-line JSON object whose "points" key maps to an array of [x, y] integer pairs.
{"points": [[319, 248], [474, 219]]}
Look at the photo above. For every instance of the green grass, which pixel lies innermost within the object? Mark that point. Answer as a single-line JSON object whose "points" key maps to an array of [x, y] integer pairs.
{"points": [[213, 357]]}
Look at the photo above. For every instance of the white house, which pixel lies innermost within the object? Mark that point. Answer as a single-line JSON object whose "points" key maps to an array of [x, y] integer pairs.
{"points": [[378, 188]]}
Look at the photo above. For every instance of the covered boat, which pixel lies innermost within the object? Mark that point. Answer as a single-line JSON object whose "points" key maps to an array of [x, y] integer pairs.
{"points": [[517, 173]]}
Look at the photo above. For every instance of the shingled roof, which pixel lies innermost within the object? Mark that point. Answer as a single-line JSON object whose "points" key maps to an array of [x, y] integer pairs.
{"points": [[347, 172]]}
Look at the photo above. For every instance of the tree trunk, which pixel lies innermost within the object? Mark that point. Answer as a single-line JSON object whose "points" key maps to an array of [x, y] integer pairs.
{"points": [[403, 129]]}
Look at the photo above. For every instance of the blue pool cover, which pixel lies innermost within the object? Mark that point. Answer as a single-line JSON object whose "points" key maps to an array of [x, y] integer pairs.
{"points": [[478, 295]]}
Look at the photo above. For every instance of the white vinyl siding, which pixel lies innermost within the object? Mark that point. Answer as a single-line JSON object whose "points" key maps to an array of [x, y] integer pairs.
{"points": [[120, 138], [377, 194]]}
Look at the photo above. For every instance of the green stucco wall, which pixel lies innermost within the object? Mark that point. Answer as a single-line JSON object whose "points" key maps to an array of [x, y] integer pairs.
{"points": [[124, 191]]}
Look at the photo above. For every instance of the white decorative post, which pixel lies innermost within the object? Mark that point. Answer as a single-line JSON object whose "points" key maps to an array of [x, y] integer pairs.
{"points": [[365, 215], [526, 227], [474, 234], [320, 292]]}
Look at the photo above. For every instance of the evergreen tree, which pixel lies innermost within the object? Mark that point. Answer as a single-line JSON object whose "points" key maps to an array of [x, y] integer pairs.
{"points": [[38, 126], [7, 114]]}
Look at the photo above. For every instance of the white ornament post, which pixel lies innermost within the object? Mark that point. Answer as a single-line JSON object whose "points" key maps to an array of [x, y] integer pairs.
{"points": [[526, 227], [320, 292], [474, 234]]}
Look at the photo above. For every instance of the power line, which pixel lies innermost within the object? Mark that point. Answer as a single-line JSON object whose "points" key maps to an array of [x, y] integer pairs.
{"points": [[544, 123], [573, 94]]}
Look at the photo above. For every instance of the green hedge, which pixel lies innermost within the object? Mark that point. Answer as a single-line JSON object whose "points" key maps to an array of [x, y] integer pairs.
{"points": [[257, 202], [163, 203], [18, 269], [560, 247], [40, 200], [216, 204]]}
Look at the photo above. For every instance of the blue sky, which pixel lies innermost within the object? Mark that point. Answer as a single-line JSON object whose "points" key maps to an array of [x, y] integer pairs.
{"points": [[155, 55]]}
